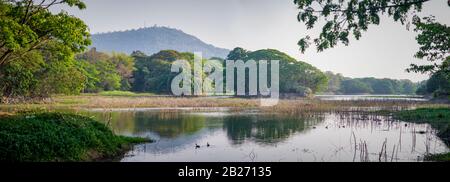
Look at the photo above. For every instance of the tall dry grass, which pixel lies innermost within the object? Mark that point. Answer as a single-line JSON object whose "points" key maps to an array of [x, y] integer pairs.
{"points": [[286, 106]]}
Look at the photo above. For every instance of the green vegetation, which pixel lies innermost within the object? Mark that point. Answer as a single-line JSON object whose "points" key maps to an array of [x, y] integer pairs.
{"points": [[59, 137], [439, 118], [53, 62], [295, 76], [434, 115], [37, 47], [106, 72], [338, 84], [438, 157], [345, 18], [153, 73], [438, 85], [434, 41]]}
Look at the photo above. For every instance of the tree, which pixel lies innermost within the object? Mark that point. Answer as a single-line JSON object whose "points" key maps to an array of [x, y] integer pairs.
{"points": [[422, 88], [434, 42], [59, 77], [295, 76], [334, 82], [438, 84], [40, 74], [238, 53], [408, 87], [354, 86], [37, 47], [27, 26], [125, 67], [368, 85], [153, 73], [383, 86], [18, 77], [105, 72], [345, 17], [138, 54]]}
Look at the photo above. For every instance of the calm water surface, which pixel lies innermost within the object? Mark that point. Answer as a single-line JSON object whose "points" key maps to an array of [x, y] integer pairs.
{"points": [[254, 136]]}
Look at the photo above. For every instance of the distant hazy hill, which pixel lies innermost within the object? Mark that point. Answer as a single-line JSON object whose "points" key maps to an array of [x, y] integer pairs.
{"points": [[153, 39]]}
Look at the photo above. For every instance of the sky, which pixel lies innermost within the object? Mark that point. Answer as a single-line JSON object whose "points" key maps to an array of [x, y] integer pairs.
{"points": [[384, 51]]}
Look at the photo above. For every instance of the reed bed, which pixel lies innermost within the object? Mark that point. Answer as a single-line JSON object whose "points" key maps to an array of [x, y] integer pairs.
{"points": [[284, 106]]}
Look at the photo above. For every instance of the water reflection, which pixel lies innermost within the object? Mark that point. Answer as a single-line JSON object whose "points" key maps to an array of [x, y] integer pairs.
{"points": [[260, 128], [265, 129], [250, 136]]}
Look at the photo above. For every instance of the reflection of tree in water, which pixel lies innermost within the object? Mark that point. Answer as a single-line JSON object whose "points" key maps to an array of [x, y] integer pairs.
{"points": [[266, 129], [263, 129], [163, 123], [120, 122], [168, 124]]}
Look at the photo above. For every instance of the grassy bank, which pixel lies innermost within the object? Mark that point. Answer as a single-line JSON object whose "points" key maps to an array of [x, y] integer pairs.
{"points": [[59, 137], [438, 118]]}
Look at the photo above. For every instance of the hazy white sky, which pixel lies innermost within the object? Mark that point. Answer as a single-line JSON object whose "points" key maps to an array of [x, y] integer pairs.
{"points": [[384, 51]]}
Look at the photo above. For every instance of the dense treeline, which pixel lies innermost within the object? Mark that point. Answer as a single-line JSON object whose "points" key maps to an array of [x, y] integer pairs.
{"points": [[152, 73], [43, 53], [105, 72], [338, 84], [93, 71], [295, 76]]}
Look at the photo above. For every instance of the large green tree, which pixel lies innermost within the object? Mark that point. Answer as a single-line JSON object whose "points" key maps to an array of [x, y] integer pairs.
{"points": [[105, 72], [37, 48], [125, 66], [344, 18], [153, 73], [295, 76], [434, 42], [28, 25]]}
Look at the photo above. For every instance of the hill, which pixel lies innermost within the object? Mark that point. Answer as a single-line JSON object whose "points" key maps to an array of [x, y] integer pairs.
{"points": [[154, 39]]}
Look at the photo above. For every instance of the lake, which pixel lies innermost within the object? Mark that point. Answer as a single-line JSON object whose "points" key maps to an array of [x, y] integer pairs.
{"points": [[220, 134]]}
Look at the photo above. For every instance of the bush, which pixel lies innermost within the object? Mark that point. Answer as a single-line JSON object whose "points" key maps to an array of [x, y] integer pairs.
{"points": [[58, 137]]}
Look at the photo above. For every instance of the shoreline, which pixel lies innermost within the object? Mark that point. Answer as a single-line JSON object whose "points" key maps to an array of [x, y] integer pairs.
{"points": [[169, 104]]}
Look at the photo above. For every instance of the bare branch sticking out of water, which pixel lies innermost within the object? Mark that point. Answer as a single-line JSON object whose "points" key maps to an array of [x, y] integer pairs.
{"points": [[383, 151], [364, 152], [393, 151], [252, 155], [354, 152]]}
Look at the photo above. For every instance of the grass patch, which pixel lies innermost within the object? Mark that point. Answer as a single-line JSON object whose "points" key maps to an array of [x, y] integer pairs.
{"points": [[438, 157], [429, 115], [438, 118], [59, 137]]}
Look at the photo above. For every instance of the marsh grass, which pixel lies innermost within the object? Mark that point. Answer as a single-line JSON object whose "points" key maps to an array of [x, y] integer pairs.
{"points": [[284, 105], [123, 94], [59, 137]]}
